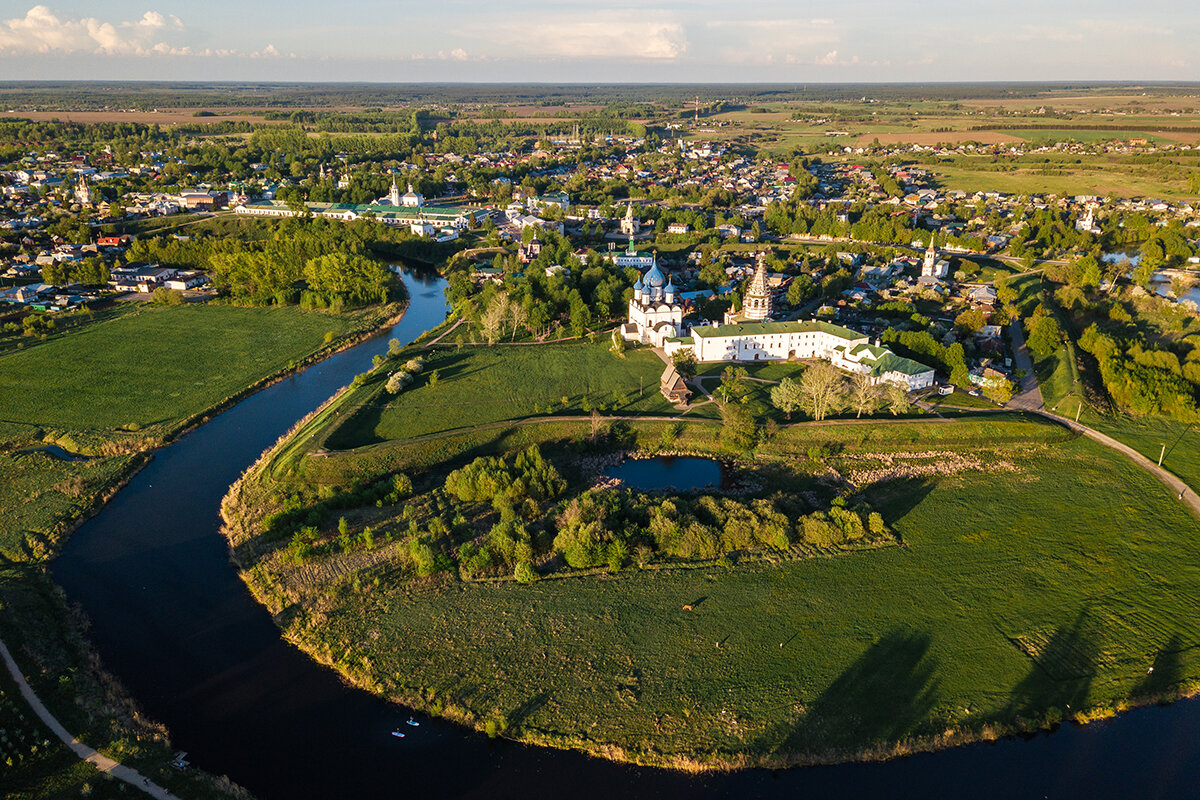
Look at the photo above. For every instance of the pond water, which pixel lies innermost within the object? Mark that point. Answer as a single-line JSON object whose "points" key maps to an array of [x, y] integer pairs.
{"points": [[54, 451], [172, 620], [1161, 283], [682, 473]]}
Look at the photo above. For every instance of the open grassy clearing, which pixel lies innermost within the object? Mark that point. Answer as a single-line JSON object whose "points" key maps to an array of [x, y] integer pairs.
{"points": [[481, 385], [985, 618], [158, 366], [1062, 182], [119, 385]]}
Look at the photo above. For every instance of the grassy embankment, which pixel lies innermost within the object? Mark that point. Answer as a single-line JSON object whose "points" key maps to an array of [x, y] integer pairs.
{"points": [[1071, 384], [119, 387], [984, 622], [111, 389]]}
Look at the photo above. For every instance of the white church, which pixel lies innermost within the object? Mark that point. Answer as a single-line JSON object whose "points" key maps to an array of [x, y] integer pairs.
{"points": [[655, 313], [656, 318]]}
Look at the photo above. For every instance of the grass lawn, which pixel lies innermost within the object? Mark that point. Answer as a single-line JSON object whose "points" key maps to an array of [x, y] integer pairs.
{"points": [[156, 367], [1016, 596], [115, 386], [480, 385], [960, 399]]}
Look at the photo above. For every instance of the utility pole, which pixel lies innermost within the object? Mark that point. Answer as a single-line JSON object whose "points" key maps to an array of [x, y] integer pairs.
{"points": [[1077, 410], [1161, 454], [697, 111]]}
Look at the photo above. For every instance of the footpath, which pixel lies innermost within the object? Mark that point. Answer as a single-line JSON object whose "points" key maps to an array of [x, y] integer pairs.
{"points": [[98, 760]]}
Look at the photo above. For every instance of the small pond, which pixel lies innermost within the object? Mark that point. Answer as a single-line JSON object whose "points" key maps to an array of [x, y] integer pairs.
{"points": [[54, 451], [669, 472]]}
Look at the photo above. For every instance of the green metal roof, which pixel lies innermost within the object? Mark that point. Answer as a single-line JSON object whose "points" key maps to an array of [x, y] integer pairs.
{"points": [[767, 328], [890, 362]]}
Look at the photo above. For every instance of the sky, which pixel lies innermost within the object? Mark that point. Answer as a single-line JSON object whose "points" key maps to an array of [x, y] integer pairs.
{"points": [[568, 41]]}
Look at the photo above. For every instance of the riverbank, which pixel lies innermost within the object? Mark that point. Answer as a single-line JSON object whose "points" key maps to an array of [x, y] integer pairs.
{"points": [[609, 665], [49, 641]]}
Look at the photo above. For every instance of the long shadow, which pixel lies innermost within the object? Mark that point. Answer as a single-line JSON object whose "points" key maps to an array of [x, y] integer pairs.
{"points": [[1062, 672], [895, 498], [517, 717], [883, 697], [1163, 677]]}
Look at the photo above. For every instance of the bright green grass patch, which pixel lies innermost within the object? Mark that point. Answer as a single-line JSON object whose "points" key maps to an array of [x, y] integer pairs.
{"points": [[1109, 181], [481, 385], [1017, 595], [156, 367]]}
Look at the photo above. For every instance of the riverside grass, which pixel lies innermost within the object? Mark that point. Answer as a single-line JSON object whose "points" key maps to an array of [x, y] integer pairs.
{"points": [[1016, 594], [480, 385], [121, 385], [984, 621]]}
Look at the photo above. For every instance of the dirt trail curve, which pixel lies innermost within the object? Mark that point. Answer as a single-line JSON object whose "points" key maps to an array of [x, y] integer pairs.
{"points": [[99, 761], [1030, 399], [1180, 489]]}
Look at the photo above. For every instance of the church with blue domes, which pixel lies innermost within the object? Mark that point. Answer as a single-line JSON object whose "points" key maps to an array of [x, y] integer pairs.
{"points": [[655, 311]]}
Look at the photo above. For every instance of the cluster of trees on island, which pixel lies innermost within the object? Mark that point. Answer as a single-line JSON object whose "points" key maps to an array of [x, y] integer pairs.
{"points": [[513, 515]]}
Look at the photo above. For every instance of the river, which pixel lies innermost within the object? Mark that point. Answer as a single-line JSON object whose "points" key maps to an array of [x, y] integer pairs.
{"points": [[171, 619]]}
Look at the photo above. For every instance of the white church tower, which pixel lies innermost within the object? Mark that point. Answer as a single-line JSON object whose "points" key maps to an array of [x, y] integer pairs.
{"points": [[655, 313]]}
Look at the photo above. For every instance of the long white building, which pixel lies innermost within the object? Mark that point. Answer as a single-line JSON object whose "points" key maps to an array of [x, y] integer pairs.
{"points": [[777, 341]]}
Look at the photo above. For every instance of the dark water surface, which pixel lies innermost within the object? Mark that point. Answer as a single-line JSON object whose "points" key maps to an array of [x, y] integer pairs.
{"points": [[172, 620], [668, 472]]}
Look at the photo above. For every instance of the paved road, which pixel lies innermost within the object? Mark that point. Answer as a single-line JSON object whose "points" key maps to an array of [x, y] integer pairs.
{"points": [[98, 760], [1029, 398]]}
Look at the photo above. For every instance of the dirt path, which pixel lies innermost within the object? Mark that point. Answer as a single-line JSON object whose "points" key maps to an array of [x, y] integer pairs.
{"points": [[98, 760]]}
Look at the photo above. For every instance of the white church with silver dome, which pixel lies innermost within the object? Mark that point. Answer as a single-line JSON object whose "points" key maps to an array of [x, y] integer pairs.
{"points": [[655, 313]]}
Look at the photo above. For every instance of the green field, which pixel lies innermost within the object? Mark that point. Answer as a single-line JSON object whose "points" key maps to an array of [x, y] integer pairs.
{"points": [[156, 367], [1101, 179], [117, 386], [985, 621], [480, 385]]}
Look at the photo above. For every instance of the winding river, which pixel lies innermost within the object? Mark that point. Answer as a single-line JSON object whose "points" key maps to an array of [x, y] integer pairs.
{"points": [[172, 620]]}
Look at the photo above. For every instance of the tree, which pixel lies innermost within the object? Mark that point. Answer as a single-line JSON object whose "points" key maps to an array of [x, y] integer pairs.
{"points": [[737, 426], [685, 363], [822, 390], [492, 321], [397, 381], [1044, 335], [597, 424], [787, 397], [897, 398], [518, 315], [864, 395], [970, 321]]}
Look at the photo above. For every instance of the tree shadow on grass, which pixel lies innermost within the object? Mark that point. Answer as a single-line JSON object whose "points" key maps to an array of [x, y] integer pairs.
{"points": [[883, 697], [1162, 678], [518, 716], [1064, 664], [895, 498]]}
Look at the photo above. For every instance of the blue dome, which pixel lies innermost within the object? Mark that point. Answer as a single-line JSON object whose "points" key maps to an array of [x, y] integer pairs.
{"points": [[654, 279], [637, 286]]}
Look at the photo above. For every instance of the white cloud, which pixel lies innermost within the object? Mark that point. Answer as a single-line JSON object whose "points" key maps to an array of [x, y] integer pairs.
{"points": [[42, 31], [653, 36]]}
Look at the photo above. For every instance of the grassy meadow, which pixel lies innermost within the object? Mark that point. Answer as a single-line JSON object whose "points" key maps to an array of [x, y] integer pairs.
{"points": [[117, 385], [156, 367], [480, 385], [984, 621]]}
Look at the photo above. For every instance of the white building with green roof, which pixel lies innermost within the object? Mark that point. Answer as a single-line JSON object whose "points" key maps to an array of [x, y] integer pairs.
{"points": [[777, 341], [421, 220]]}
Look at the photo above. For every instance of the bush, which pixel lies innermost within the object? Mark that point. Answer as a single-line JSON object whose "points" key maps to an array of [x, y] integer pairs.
{"points": [[525, 573]]}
